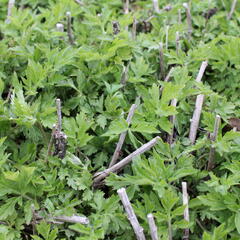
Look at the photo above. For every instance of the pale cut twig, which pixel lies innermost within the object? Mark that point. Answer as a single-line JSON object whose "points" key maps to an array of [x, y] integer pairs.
{"points": [[161, 61], [59, 114], [178, 46], [138, 230], [79, 2], [233, 6], [69, 28], [134, 28], [198, 106], [118, 166], [9, 12], [60, 27], [126, 10], [172, 120], [179, 16], [125, 74], [167, 32], [189, 18], [122, 136], [152, 226], [186, 210], [156, 6], [213, 138]]}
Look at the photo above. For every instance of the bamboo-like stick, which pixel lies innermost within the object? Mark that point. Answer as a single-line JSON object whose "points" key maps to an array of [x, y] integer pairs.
{"points": [[161, 61], [152, 226], [138, 230], [69, 28], [198, 106], [156, 6], [126, 7], [178, 46], [118, 166], [233, 6], [167, 33], [60, 27], [179, 16], [59, 114], [189, 18], [122, 137], [186, 211], [213, 138], [9, 12], [172, 120], [124, 76], [134, 28]]}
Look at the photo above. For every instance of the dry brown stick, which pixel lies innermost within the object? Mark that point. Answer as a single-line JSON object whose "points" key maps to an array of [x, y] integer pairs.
{"points": [[198, 106], [9, 12], [152, 226], [172, 120], [156, 6], [213, 138], [161, 61], [189, 18], [118, 166], [69, 28], [233, 6], [186, 211], [138, 230], [122, 136]]}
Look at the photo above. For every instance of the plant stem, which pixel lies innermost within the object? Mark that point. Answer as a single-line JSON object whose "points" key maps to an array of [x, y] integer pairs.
{"points": [[179, 16], [156, 6], [69, 28], [59, 114], [122, 136], [189, 18], [134, 28], [233, 6], [9, 13], [167, 31], [138, 230], [169, 229], [213, 138], [178, 46], [161, 61], [198, 107], [172, 120], [186, 210], [118, 166], [152, 226]]}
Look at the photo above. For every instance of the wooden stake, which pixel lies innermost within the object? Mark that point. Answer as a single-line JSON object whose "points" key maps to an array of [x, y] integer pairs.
{"points": [[9, 13], [156, 6], [59, 114], [138, 230], [152, 226], [122, 137], [118, 166], [189, 18], [172, 120], [186, 211], [60, 27], [198, 107], [161, 61], [167, 31], [179, 16], [178, 46], [234, 3], [69, 28], [124, 76], [213, 138], [134, 28]]}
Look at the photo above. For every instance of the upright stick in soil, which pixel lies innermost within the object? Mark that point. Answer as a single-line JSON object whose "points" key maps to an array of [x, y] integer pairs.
{"points": [[234, 3], [152, 226], [122, 137], [9, 13], [156, 6], [198, 107], [172, 120], [213, 138], [69, 28], [138, 230], [189, 19], [186, 211], [161, 61]]}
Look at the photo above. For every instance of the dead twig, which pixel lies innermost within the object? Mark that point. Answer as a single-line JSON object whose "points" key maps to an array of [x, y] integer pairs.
{"points": [[156, 6], [189, 18], [198, 106], [122, 136], [213, 138], [118, 166], [9, 12], [161, 61], [138, 230], [124, 76], [233, 6], [60, 27], [134, 28], [186, 211], [178, 46], [172, 120], [152, 226], [69, 28]]}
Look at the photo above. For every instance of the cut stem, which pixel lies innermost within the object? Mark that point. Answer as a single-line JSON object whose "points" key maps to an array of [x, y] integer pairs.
{"points": [[69, 28], [122, 136], [60, 27], [178, 46], [161, 61], [49, 152], [134, 28], [186, 211], [189, 18], [172, 120], [118, 166], [213, 138], [156, 6], [9, 12], [152, 226], [59, 114], [233, 6], [138, 230], [198, 107]]}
